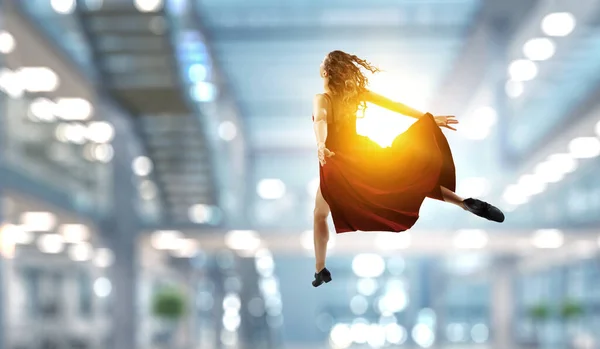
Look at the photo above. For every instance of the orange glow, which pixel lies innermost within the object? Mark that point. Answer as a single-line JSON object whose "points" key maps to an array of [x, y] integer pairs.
{"points": [[382, 125]]}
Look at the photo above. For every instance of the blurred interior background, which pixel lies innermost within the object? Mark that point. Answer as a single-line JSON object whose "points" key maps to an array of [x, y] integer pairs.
{"points": [[158, 174]]}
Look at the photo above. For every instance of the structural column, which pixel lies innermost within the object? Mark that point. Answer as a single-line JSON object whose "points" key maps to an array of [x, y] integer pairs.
{"points": [[121, 232], [3, 110], [503, 304]]}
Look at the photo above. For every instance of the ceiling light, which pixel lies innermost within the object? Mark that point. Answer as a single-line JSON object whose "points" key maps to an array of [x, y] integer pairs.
{"points": [[10, 83], [38, 79], [142, 166], [38, 221], [539, 49], [395, 334], [63, 7], [376, 336], [341, 336], [584, 147], [203, 92], [514, 89], [93, 5], [486, 116], [200, 213], [271, 189], [360, 331], [102, 152], [423, 335], [165, 239], [471, 239], [367, 287], [548, 173], [7, 42], [368, 265], [547, 238], [558, 24], [522, 70], [103, 258], [227, 131], [16, 234], [148, 190], [531, 185], [474, 187], [51, 243], [42, 109], [399, 241], [264, 263], [563, 162], [475, 129], [242, 240], [186, 248], [100, 132], [197, 72], [102, 287], [74, 233], [81, 252], [514, 195], [73, 109], [148, 5]]}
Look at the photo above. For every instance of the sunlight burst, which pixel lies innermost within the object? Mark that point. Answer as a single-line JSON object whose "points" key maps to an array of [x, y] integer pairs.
{"points": [[382, 125]]}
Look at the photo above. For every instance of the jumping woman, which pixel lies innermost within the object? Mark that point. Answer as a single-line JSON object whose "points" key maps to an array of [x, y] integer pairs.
{"points": [[364, 186]]}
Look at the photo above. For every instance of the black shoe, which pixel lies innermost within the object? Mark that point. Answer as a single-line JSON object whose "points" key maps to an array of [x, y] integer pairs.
{"points": [[324, 276], [485, 210]]}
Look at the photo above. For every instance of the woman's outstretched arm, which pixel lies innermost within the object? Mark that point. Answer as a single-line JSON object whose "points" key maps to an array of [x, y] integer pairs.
{"points": [[387, 103], [441, 121]]}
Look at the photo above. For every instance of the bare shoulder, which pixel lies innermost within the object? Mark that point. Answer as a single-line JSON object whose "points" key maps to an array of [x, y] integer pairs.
{"points": [[320, 99]]}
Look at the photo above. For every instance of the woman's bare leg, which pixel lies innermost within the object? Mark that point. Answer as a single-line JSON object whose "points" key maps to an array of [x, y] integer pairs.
{"points": [[320, 230], [451, 197]]}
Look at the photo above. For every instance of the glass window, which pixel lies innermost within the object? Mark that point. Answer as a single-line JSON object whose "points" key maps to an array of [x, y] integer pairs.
{"points": [[85, 294], [56, 152], [63, 28]]}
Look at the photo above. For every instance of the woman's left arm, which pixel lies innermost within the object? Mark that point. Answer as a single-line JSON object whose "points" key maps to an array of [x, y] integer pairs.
{"points": [[442, 121]]}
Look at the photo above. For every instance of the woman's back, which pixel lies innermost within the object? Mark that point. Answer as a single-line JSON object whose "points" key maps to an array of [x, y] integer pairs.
{"points": [[341, 129]]}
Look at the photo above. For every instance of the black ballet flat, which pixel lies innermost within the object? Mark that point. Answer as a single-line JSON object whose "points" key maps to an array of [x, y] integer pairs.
{"points": [[485, 210], [324, 276]]}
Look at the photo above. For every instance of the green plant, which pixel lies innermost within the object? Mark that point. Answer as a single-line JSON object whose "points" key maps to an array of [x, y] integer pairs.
{"points": [[571, 309], [539, 312], [169, 304]]}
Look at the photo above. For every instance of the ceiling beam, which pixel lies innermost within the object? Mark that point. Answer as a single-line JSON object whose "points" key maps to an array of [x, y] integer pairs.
{"points": [[499, 242], [473, 63], [354, 33]]}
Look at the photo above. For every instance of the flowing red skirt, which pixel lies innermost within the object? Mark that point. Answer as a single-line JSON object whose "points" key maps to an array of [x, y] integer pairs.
{"points": [[370, 188]]}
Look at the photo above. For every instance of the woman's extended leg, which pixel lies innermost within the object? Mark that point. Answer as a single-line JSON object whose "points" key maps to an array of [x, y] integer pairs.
{"points": [[475, 206], [320, 230], [451, 197]]}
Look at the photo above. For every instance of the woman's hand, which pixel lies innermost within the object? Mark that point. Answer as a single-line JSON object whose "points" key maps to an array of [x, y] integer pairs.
{"points": [[446, 121], [324, 153]]}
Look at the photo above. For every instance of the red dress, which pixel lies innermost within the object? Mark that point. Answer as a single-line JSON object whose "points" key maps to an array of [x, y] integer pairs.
{"points": [[370, 188]]}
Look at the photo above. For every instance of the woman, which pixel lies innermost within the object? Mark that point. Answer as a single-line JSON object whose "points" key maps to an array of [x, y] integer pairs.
{"points": [[367, 187]]}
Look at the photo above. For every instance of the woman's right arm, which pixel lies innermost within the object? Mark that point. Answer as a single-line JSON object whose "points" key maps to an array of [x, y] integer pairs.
{"points": [[387, 103], [320, 119]]}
